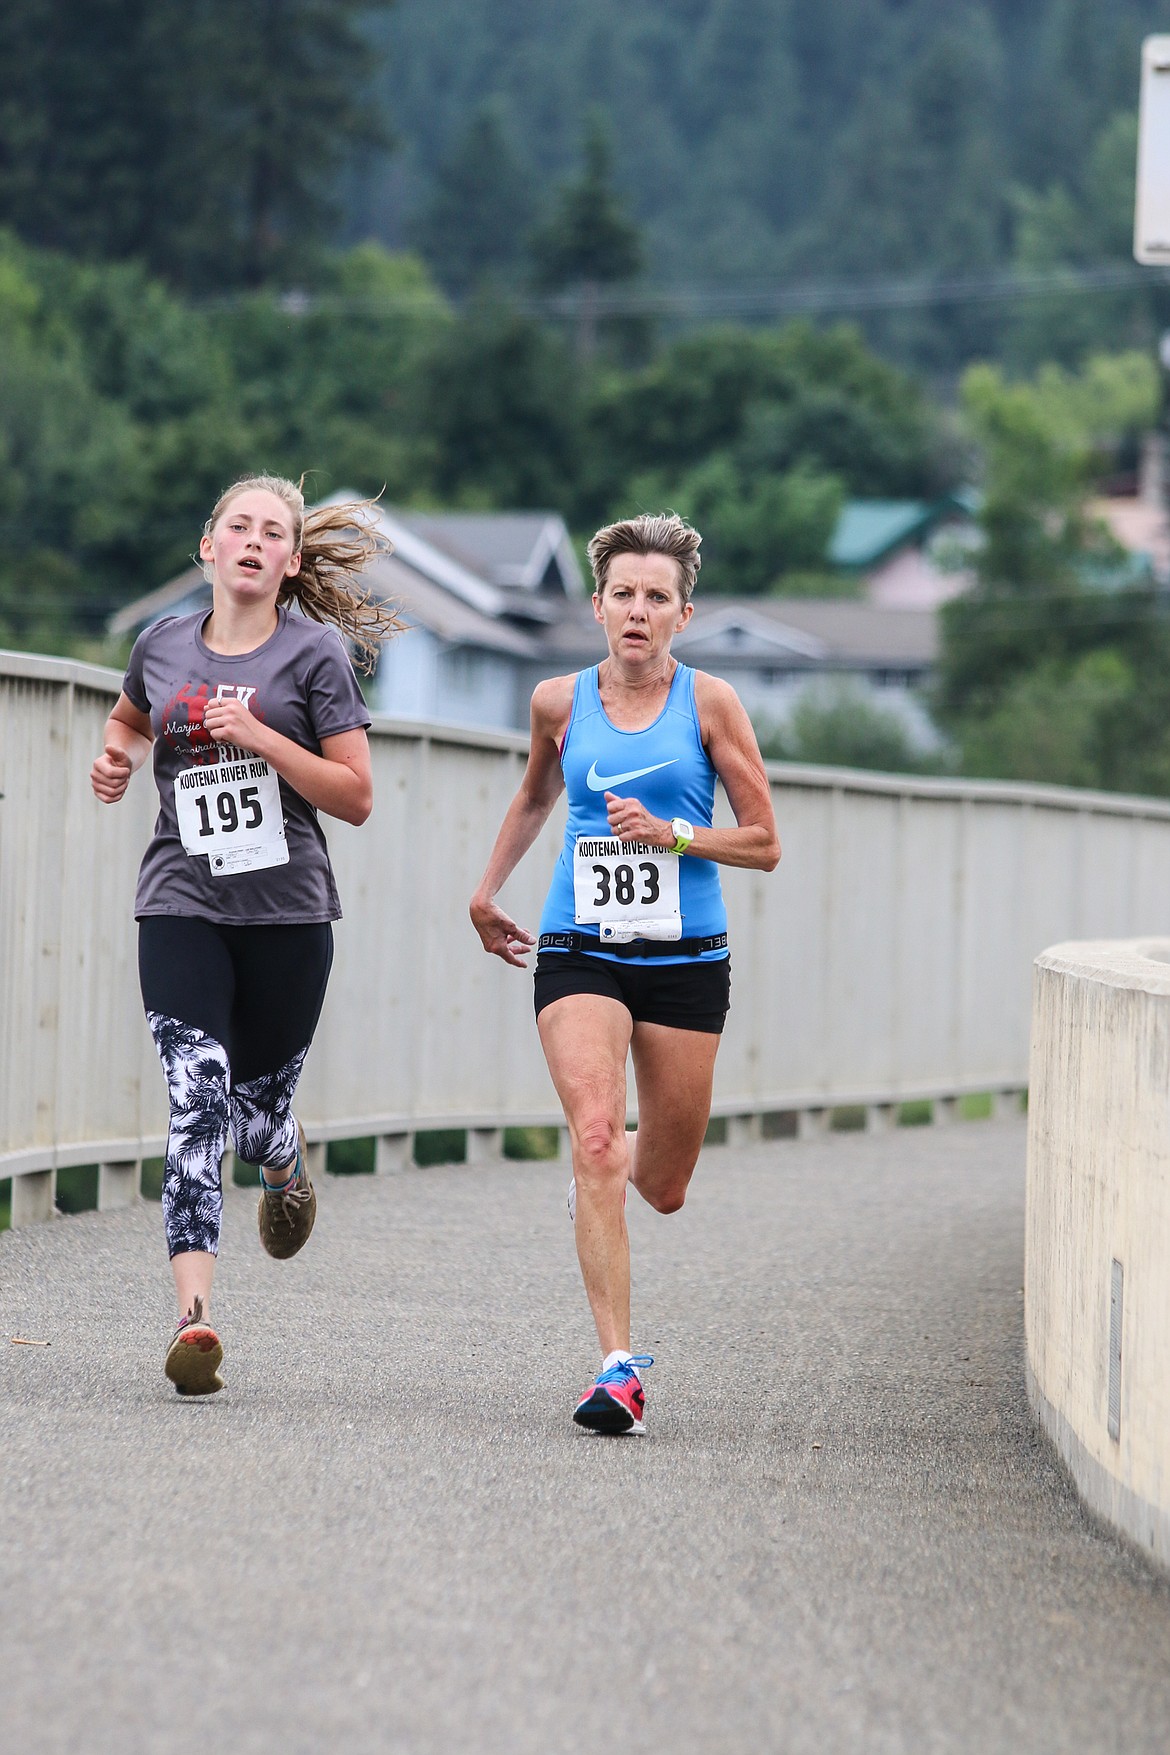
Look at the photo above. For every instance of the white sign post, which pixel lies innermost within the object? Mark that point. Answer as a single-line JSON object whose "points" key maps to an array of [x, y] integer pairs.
{"points": [[1151, 221]]}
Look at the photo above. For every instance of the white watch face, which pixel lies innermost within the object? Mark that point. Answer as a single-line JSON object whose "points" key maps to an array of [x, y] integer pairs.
{"points": [[682, 830]]}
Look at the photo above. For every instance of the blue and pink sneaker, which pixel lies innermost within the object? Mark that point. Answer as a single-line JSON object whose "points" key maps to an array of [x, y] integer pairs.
{"points": [[616, 1401]]}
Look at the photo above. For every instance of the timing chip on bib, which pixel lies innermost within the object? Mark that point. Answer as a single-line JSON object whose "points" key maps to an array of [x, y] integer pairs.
{"points": [[627, 889]]}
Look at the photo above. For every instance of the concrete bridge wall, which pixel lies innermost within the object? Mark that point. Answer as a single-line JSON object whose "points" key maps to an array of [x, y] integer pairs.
{"points": [[1097, 1278], [887, 959]]}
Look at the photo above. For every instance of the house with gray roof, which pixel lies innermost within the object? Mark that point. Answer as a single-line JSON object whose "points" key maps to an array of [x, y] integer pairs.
{"points": [[495, 602]]}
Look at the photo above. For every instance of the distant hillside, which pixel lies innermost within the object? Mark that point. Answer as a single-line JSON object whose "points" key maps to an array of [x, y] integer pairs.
{"points": [[757, 138]]}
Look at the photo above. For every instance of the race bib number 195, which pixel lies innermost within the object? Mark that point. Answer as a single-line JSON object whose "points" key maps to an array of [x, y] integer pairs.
{"points": [[231, 811]]}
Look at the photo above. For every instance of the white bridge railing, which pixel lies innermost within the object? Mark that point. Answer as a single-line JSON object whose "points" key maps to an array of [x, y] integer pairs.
{"points": [[887, 959]]}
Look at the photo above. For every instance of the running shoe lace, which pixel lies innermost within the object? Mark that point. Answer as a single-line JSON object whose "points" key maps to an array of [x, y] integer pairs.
{"points": [[625, 1368], [193, 1317], [292, 1194]]}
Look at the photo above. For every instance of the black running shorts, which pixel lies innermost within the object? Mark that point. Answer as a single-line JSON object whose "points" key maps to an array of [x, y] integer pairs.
{"points": [[683, 996]]}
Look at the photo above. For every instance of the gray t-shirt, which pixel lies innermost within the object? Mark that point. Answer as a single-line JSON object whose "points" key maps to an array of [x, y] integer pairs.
{"points": [[301, 683]]}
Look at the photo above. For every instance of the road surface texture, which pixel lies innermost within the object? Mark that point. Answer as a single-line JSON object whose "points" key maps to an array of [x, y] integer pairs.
{"points": [[841, 1532]]}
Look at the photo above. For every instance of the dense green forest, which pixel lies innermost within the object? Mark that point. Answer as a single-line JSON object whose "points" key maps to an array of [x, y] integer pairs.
{"points": [[440, 250], [762, 149], [790, 142]]}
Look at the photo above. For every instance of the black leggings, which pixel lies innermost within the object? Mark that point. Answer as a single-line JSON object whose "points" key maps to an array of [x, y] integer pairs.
{"points": [[232, 1010]]}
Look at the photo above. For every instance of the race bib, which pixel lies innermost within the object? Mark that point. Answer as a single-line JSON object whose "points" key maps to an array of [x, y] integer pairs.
{"points": [[231, 811], [626, 888]]}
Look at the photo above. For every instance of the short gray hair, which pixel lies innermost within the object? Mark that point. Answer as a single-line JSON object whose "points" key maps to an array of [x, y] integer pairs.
{"points": [[650, 533]]}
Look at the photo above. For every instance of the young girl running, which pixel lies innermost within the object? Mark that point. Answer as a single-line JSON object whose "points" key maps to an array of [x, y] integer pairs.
{"points": [[256, 723]]}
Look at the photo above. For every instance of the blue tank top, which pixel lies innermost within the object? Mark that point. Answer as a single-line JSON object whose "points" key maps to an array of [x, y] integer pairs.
{"points": [[667, 768]]}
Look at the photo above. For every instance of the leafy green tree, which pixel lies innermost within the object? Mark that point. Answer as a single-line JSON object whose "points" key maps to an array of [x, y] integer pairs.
{"points": [[774, 399], [475, 224], [755, 530], [118, 425], [500, 395], [328, 382], [1045, 674], [1050, 721], [842, 726], [1028, 593]]}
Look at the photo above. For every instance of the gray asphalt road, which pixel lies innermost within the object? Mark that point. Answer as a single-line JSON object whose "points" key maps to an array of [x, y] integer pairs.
{"points": [[841, 1532]]}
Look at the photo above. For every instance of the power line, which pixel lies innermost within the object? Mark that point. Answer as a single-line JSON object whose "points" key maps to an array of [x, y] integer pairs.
{"points": [[823, 297], [770, 298]]}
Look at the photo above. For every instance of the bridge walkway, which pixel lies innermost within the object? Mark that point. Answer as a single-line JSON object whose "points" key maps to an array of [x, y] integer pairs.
{"points": [[841, 1533]]}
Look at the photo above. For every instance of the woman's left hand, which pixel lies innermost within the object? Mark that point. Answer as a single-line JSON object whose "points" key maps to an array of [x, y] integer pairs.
{"points": [[631, 821]]}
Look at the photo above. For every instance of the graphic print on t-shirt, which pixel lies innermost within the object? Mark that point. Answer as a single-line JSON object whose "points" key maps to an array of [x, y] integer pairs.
{"points": [[183, 726], [227, 800]]}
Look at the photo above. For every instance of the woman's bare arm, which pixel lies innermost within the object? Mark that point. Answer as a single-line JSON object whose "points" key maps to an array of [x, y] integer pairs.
{"points": [[527, 814], [731, 744]]}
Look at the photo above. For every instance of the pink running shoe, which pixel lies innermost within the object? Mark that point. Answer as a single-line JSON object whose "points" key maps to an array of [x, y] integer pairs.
{"points": [[616, 1402]]}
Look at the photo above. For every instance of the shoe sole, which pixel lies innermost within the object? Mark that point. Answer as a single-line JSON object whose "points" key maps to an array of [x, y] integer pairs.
{"points": [[607, 1417], [193, 1361]]}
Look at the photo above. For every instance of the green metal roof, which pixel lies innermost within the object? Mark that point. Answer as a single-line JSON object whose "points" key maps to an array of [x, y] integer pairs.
{"points": [[868, 530]]}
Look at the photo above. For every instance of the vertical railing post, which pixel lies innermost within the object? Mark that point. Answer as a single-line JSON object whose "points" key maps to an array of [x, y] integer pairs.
{"points": [[485, 1145], [118, 1184], [392, 1152], [33, 1197]]}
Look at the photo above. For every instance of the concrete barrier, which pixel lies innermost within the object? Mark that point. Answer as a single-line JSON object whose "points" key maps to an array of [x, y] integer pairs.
{"points": [[1097, 1274]]}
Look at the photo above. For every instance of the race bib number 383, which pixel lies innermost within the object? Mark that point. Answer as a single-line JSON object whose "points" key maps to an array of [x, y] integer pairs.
{"points": [[231, 811], [626, 881]]}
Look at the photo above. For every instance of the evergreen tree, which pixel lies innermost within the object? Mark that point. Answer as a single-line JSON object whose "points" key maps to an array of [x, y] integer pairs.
{"points": [[198, 136], [475, 224], [588, 242], [498, 401], [813, 140]]}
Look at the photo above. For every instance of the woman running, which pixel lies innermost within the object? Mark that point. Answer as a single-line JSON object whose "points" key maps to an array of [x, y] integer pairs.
{"points": [[632, 955], [256, 723]]}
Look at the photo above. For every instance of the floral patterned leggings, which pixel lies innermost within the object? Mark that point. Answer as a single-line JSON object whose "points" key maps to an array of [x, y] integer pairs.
{"points": [[232, 1010]]}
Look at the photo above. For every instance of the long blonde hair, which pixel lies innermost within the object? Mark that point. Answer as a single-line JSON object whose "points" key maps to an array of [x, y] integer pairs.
{"points": [[337, 545]]}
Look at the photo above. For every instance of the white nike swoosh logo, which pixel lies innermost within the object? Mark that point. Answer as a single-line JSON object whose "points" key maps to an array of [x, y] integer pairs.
{"points": [[605, 782]]}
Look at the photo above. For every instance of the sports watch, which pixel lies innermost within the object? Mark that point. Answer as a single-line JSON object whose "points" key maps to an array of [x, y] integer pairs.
{"points": [[683, 833]]}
